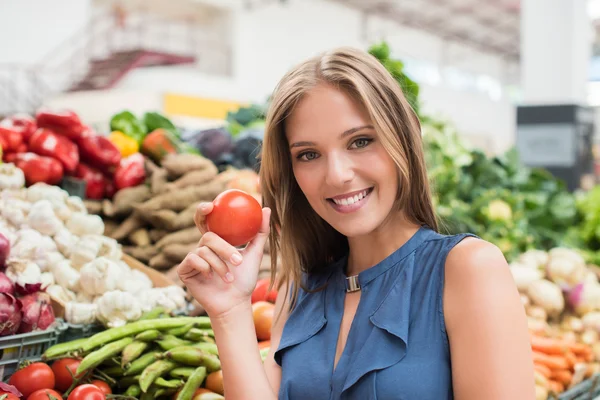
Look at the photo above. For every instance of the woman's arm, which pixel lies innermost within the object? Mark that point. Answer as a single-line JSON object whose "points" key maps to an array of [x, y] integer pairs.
{"points": [[240, 357], [487, 326]]}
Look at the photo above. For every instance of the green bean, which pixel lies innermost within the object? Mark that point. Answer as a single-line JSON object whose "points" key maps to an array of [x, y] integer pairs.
{"points": [[132, 351], [182, 330], [133, 391], [194, 356], [169, 341], [129, 380], [95, 358], [171, 383], [193, 383], [150, 394], [63, 348], [149, 336], [153, 314], [113, 371], [164, 392], [182, 372], [153, 371], [196, 334], [140, 364], [208, 347], [136, 327]]}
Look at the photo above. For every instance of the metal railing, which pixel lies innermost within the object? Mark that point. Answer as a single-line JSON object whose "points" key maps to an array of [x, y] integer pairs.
{"points": [[23, 88]]}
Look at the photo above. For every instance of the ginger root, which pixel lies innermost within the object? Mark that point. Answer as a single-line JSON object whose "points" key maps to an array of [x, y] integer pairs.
{"points": [[140, 237], [128, 226], [160, 262], [187, 235], [125, 199], [181, 199], [180, 164], [176, 252], [143, 254]]}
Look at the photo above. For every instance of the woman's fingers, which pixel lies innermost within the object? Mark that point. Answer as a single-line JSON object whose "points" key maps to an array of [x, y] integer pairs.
{"points": [[202, 211], [257, 245], [192, 266], [221, 248], [216, 264]]}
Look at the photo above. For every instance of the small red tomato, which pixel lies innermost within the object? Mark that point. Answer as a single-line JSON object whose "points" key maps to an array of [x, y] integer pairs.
{"points": [[260, 292], [87, 392], [64, 370], [102, 386], [33, 377], [45, 394], [236, 217], [9, 396]]}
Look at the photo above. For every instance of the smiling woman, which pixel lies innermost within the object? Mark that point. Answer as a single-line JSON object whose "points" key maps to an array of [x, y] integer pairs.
{"points": [[377, 303]]}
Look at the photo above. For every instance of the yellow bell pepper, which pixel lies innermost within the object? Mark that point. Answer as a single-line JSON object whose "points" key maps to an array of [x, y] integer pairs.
{"points": [[126, 145]]}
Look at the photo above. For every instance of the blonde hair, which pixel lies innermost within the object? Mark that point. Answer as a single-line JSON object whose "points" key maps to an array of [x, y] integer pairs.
{"points": [[306, 242]]}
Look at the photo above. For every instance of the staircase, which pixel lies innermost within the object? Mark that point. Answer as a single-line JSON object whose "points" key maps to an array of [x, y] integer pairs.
{"points": [[99, 56], [106, 73]]}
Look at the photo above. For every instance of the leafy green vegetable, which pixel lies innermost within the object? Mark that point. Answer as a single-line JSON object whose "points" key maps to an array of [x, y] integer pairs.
{"points": [[129, 124], [155, 120], [410, 88]]}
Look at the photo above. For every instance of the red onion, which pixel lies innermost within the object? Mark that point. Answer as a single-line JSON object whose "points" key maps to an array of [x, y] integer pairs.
{"points": [[6, 285], [4, 250], [5, 387], [28, 288], [37, 312], [10, 314]]}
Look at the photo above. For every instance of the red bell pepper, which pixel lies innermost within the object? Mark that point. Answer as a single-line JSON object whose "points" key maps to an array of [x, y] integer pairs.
{"points": [[47, 143], [3, 145], [131, 172], [99, 152], [64, 122], [94, 181], [109, 188], [20, 123], [38, 168], [12, 138]]}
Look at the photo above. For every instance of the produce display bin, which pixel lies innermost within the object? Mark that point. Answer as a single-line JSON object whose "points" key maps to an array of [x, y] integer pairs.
{"points": [[78, 331], [26, 346], [586, 390]]}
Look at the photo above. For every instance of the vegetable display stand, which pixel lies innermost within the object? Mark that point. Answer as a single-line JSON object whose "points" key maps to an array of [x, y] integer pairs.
{"points": [[30, 346], [586, 390], [78, 331]]}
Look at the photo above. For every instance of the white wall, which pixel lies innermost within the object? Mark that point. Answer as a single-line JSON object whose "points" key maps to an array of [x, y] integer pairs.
{"points": [[30, 29], [269, 40]]}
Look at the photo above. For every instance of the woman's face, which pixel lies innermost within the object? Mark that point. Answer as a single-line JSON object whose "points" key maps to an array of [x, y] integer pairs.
{"points": [[339, 162]]}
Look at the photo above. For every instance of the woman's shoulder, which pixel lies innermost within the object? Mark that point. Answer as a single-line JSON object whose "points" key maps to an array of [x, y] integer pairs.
{"points": [[476, 268]]}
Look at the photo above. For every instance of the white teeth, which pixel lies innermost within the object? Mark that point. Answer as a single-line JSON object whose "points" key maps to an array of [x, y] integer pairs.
{"points": [[351, 200]]}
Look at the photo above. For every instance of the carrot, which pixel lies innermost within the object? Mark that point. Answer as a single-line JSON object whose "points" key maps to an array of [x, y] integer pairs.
{"points": [[571, 358], [563, 376], [542, 369], [555, 386], [577, 348], [580, 359], [552, 362], [547, 345]]}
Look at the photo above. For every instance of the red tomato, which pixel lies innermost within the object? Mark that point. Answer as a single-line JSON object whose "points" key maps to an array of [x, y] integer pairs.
{"points": [[236, 217], [45, 394], [262, 313], [9, 396], [61, 369], [260, 292], [87, 392], [102, 386], [33, 377]]}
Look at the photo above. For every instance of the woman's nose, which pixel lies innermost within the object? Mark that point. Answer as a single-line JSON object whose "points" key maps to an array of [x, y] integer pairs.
{"points": [[340, 170]]}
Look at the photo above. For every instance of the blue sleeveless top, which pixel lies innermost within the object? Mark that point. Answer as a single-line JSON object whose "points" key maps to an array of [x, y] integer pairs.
{"points": [[397, 347]]}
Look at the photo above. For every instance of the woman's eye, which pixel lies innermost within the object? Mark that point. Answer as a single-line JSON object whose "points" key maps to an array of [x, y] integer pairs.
{"points": [[307, 156], [363, 142]]}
